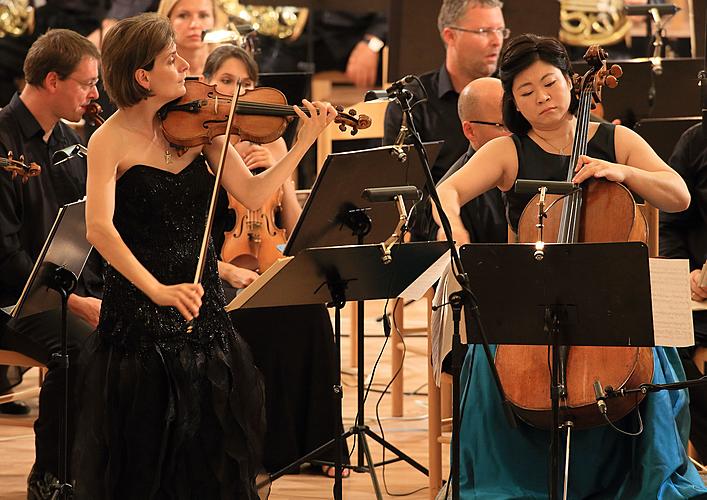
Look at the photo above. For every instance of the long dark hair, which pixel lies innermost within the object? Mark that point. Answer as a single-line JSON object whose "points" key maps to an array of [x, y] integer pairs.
{"points": [[521, 52]]}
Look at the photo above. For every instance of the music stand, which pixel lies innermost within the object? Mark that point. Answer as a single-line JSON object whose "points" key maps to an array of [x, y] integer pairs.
{"points": [[56, 269], [642, 94], [326, 216], [584, 307], [335, 275], [663, 133]]}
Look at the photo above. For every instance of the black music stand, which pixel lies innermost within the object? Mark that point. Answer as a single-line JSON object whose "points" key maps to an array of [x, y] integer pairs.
{"points": [[335, 275], [330, 216], [643, 94], [663, 133], [583, 307], [57, 268]]}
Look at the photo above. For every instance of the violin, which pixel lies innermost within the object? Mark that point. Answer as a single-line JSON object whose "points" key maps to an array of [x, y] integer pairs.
{"points": [[261, 116], [19, 167], [600, 211], [92, 115]]}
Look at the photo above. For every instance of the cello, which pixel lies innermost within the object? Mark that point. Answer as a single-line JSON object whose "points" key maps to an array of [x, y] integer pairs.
{"points": [[600, 211]]}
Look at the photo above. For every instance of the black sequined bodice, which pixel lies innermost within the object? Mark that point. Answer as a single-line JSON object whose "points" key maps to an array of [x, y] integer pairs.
{"points": [[160, 216]]}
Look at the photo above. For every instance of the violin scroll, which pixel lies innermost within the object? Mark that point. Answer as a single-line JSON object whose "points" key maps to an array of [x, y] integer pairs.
{"points": [[350, 119], [19, 167]]}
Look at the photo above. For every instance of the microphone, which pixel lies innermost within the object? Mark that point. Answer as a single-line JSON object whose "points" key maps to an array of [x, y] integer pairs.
{"points": [[392, 92], [389, 193], [600, 396], [399, 84], [645, 10]]}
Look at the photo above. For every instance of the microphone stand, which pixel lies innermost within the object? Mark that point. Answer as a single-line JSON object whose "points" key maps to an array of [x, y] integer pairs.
{"points": [[466, 297]]}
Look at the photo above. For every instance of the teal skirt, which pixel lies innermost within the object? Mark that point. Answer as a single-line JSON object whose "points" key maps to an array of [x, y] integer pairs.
{"points": [[499, 462]]}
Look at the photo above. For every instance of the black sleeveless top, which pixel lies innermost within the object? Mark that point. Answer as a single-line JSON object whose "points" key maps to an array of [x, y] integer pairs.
{"points": [[536, 163]]}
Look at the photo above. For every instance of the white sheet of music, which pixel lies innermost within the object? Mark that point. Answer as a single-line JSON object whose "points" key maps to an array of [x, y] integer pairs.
{"points": [[418, 288], [672, 311]]}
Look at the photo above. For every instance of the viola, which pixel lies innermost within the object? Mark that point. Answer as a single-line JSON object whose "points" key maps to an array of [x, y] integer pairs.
{"points": [[19, 167], [601, 211], [253, 242], [261, 116]]}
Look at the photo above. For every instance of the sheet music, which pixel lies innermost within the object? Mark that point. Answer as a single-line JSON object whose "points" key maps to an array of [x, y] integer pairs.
{"points": [[256, 285], [670, 293], [417, 289]]}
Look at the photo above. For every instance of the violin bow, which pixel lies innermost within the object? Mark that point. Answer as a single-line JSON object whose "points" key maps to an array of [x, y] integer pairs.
{"points": [[214, 196]]}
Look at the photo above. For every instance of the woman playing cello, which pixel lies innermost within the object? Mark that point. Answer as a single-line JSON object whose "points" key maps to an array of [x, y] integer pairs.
{"points": [[538, 107]]}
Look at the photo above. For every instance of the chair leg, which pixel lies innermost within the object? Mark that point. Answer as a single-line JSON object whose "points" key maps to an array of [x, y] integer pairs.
{"points": [[396, 388]]}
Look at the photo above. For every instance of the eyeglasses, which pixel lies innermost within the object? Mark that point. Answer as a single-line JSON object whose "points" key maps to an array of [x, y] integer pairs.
{"points": [[494, 124], [86, 86], [486, 32]]}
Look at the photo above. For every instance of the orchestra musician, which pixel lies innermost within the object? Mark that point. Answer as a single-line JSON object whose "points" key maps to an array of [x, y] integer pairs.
{"points": [[165, 411], [189, 19], [292, 346], [683, 235], [503, 462], [473, 32], [61, 70]]}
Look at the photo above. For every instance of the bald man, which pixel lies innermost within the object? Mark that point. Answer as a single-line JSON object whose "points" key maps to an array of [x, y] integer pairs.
{"points": [[479, 109]]}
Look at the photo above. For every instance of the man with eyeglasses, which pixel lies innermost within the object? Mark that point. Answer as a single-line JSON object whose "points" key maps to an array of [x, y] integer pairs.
{"points": [[481, 119], [473, 32], [61, 71]]}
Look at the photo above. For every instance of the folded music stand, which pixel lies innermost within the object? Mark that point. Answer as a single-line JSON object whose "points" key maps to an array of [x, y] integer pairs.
{"points": [[566, 296], [48, 287], [335, 275]]}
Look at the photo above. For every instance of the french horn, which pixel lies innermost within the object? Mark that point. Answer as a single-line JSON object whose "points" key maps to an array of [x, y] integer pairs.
{"points": [[593, 22], [278, 22], [16, 17]]}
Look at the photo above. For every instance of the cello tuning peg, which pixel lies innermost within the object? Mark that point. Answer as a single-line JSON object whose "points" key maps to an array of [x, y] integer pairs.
{"points": [[616, 70], [611, 81]]}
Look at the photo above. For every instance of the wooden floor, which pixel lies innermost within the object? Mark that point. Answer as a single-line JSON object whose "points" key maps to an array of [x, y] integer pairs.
{"points": [[408, 433]]}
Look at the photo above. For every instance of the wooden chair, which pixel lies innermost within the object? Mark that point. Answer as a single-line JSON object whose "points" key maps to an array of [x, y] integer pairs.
{"points": [[13, 358]]}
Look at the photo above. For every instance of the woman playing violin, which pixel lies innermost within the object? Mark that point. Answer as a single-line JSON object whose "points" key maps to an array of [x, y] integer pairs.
{"points": [[165, 412], [539, 107]]}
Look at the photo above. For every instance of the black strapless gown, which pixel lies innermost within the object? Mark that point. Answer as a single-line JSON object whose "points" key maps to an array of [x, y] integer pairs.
{"points": [[164, 414]]}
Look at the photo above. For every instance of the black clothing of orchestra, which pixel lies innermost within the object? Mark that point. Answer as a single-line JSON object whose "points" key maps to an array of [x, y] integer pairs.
{"points": [[484, 216], [332, 36], [293, 346], [536, 163], [436, 119], [27, 212], [164, 413], [683, 235]]}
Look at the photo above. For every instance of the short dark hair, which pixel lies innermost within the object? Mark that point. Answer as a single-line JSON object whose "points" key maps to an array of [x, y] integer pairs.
{"points": [[57, 50], [222, 54], [519, 54], [129, 45]]}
